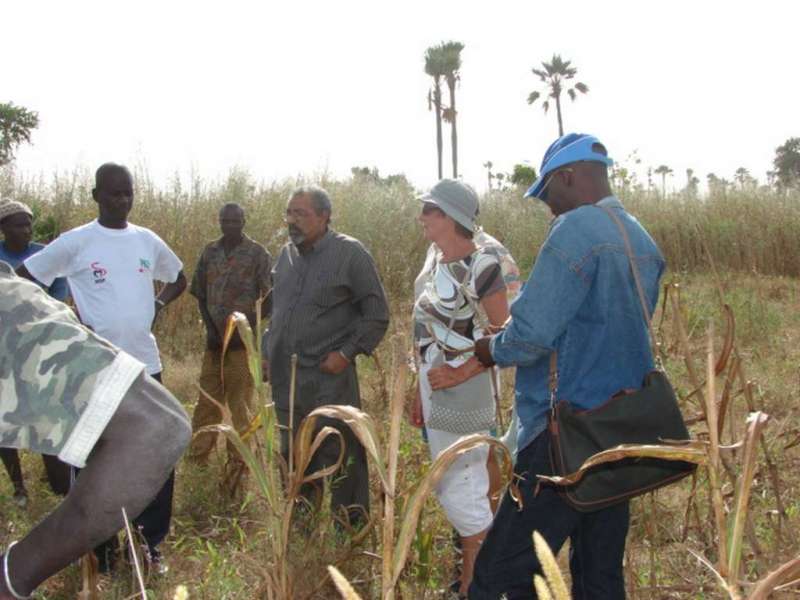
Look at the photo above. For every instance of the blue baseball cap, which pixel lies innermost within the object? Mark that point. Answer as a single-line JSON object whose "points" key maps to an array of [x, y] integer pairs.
{"points": [[569, 148]]}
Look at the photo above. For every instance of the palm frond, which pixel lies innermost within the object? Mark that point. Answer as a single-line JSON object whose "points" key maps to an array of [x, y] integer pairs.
{"points": [[435, 62], [581, 87], [546, 105], [533, 97], [451, 57], [540, 74]]}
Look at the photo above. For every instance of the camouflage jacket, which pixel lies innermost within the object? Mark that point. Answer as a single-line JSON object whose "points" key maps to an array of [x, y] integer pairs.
{"points": [[59, 382]]}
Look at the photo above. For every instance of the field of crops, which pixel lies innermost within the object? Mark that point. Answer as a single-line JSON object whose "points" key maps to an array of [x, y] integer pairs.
{"points": [[739, 249]]}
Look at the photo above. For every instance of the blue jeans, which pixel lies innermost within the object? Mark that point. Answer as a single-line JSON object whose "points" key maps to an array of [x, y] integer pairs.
{"points": [[507, 562]]}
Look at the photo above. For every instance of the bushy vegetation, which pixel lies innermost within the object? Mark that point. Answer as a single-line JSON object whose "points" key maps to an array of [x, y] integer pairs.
{"points": [[220, 548]]}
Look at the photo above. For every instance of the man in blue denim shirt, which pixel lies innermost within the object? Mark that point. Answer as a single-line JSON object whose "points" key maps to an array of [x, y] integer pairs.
{"points": [[581, 302]]}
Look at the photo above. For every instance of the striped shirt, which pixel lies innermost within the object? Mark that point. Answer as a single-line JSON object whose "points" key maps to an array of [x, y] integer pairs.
{"points": [[327, 299]]}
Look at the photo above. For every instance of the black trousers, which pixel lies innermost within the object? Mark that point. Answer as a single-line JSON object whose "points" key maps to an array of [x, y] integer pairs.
{"points": [[507, 562], [350, 487], [58, 473], [153, 523]]}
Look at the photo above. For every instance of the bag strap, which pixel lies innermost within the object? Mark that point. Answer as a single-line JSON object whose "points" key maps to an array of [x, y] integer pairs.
{"points": [[460, 292], [553, 379], [636, 277]]}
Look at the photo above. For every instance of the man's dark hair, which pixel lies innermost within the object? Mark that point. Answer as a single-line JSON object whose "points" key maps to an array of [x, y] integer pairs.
{"points": [[319, 198], [231, 206], [107, 169]]}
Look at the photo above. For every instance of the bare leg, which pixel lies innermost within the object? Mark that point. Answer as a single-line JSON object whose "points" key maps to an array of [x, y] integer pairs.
{"points": [[470, 546], [131, 461]]}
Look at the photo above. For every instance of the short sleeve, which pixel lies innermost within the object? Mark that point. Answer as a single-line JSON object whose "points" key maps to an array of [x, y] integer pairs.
{"points": [[168, 266], [198, 285], [264, 271], [56, 259], [59, 290], [488, 275]]}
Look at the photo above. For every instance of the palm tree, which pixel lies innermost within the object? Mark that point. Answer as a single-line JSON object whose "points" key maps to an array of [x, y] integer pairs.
{"points": [[663, 170], [488, 166], [434, 66], [451, 58], [556, 75], [691, 183], [742, 176]]}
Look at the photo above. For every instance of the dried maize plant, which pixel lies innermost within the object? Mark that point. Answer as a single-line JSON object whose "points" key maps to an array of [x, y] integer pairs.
{"points": [[732, 521], [279, 483], [550, 585]]}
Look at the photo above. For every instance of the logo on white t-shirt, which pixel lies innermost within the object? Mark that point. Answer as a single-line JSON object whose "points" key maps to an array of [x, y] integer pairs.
{"points": [[98, 272], [144, 265]]}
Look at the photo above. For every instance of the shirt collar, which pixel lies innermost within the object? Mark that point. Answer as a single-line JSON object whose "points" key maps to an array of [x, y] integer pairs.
{"points": [[610, 202], [218, 243], [319, 245], [8, 250]]}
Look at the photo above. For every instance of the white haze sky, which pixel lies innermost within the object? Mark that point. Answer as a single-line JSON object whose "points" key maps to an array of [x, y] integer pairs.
{"points": [[288, 88]]}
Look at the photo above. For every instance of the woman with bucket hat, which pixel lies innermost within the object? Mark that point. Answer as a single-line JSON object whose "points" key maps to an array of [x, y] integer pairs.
{"points": [[460, 296]]}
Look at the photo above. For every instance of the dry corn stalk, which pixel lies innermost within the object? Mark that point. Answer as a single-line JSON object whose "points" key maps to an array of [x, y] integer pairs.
{"points": [[396, 414], [134, 554], [552, 574], [787, 572], [342, 585], [693, 451], [714, 466], [755, 424], [437, 470]]}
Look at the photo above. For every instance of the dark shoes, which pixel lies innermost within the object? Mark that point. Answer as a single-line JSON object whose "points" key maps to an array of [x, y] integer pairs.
{"points": [[21, 497], [107, 559]]}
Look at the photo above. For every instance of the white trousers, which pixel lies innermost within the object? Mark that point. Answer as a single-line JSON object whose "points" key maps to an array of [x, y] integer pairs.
{"points": [[463, 490]]}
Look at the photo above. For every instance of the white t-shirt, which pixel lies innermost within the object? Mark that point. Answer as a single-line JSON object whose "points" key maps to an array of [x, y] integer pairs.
{"points": [[111, 273]]}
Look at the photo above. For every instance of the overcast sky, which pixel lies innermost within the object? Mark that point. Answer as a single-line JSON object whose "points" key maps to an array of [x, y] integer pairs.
{"points": [[284, 88]]}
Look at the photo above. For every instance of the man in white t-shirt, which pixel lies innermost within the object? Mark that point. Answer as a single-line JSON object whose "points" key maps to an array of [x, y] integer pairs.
{"points": [[111, 265]]}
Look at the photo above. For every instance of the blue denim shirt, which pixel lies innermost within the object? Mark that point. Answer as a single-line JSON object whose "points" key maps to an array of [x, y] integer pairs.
{"points": [[581, 301]]}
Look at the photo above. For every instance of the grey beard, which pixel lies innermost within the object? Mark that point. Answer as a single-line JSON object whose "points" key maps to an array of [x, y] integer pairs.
{"points": [[297, 237]]}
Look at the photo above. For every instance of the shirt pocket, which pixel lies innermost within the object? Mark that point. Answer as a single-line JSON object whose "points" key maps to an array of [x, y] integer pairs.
{"points": [[329, 296]]}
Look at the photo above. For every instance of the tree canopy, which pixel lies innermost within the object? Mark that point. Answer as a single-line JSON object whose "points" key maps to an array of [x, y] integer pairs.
{"points": [[556, 76], [16, 125], [787, 163]]}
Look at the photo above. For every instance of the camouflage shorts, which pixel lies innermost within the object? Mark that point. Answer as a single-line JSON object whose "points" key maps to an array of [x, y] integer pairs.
{"points": [[60, 383]]}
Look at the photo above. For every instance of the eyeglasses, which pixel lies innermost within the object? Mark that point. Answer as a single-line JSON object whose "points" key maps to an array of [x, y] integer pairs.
{"points": [[543, 193]]}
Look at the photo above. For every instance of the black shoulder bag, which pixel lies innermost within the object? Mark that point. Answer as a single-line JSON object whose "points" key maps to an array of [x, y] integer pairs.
{"points": [[649, 415]]}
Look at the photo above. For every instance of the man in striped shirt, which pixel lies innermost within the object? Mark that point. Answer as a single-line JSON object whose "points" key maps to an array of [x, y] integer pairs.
{"points": [[328, 306]]}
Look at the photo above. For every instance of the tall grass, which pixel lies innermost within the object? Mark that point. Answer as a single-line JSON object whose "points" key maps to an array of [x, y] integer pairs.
{"points": [[750, 235], [752, 231]]}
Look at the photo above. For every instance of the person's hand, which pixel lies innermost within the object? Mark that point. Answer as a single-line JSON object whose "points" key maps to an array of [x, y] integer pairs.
{"points": [[446, 377], [333, 363], [415, 415], [264, 369], [157, 310], [483, 351]]}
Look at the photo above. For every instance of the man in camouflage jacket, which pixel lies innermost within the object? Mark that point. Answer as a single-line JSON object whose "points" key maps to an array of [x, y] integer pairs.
{"points": [[65, 391]]}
